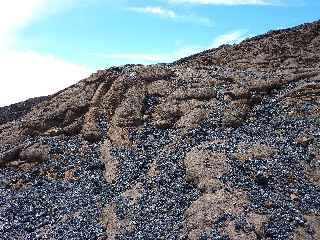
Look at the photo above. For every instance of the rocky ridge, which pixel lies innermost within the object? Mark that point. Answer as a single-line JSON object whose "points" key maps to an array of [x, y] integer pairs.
{"points": [[223, 144]]}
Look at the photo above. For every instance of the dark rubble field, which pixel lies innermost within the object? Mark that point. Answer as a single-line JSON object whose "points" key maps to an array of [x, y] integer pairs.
{"points": [[221, 145]]}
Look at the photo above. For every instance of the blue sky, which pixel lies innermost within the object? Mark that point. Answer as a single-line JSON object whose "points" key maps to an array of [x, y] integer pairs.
{"points": [[46, 45]]}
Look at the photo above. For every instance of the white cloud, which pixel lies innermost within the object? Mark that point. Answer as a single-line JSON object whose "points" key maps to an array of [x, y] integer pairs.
{"points": [[228, 2], [170, 14], [26, 73], [143, 58], [230, 38], [16, 14], [156, 11]]}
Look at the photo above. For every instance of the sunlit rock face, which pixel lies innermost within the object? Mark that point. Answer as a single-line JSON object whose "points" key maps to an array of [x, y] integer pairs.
{"points": [[220, 145]]}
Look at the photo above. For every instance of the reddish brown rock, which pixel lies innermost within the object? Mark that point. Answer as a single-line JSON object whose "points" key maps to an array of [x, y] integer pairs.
{"points": [[153, 170], [205, 167], [247, 152], [35, 153], [235, 113], [111, 164], [90, 130], [209, 207], [10, 155], [310, 230], [134, 194], [129, 112], [113, 224]]}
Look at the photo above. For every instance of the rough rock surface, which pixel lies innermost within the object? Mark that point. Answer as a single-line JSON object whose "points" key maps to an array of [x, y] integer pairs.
{"points": [[223, 144]]}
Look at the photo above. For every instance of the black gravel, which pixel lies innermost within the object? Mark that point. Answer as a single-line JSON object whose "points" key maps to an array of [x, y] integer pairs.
{"points": [[55, 209], [18, 110]]}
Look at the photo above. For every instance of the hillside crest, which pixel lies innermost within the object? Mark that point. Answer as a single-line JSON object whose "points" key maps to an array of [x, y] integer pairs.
{"points": [[223, 143]]}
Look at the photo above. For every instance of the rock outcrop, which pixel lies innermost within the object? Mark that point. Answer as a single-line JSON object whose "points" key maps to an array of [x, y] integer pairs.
{"points": [[223, 144]]}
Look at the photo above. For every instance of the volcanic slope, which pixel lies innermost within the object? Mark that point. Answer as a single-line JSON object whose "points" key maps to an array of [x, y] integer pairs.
{"points": [[223, 144]]}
